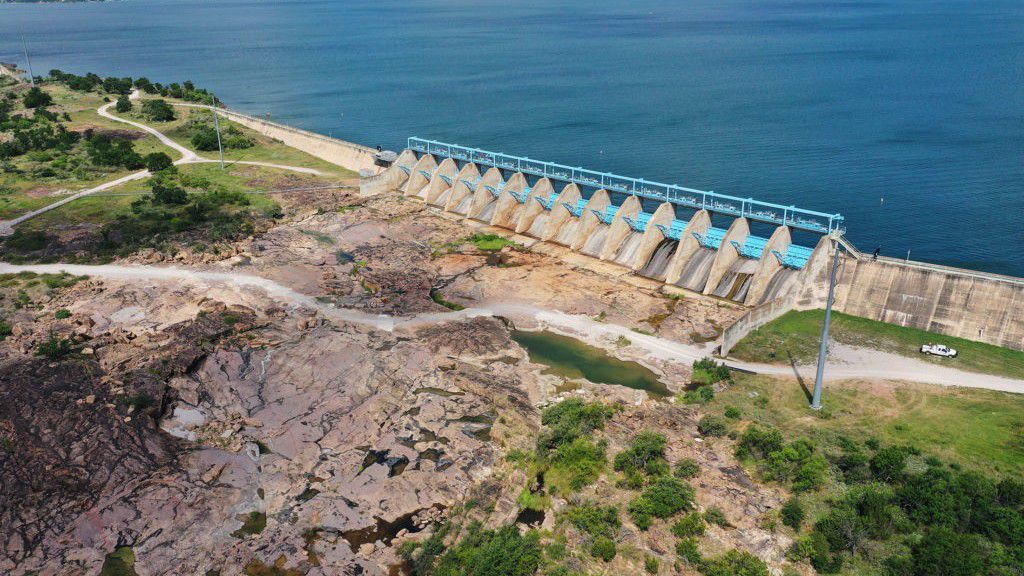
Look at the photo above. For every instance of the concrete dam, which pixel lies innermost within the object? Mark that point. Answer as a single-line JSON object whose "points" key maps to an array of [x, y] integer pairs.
{"points": [[768, 257]]}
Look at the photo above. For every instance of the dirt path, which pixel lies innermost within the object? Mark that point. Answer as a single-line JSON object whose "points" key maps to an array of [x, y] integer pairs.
{"points": [[846, 362], [187, 157]]}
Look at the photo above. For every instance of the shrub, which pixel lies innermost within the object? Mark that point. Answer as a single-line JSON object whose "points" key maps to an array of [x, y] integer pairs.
{"points": [[714, 515], [735, 563], [5, 330], [594, 519], [578, 463], [54, 348], [687, 468], [603, 548], [708, 371], [688, 552], [663, 498], [843, 529], [733, 413], [793, 514], [205, 139], [690, 525], [945, 552], [888, 463], [36, 98], [646, 452], [62, 314], [503, 552], [700, 395], [651, 565], [758, 442], [712, 426], [571, 419], [158, 110], [157, 161], [123, 105]]}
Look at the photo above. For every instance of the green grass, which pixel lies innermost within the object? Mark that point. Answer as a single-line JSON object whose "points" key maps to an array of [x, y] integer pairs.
{"points": [[981, 429], [796, 335], [103, 207], [120, 562]]}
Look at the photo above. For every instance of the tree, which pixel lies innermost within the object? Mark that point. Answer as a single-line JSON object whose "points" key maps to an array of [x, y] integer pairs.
{"points": [[123, 104], [943, 552], [36, 98], [205, 139], [158, 110], [157, 161], [168, 192]]}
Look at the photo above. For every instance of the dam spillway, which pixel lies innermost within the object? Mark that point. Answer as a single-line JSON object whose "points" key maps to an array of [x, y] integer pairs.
{"points": [[660, 231]]}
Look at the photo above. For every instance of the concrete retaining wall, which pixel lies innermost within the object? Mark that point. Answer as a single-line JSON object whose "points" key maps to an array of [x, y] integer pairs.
{"points": [[355, 157], [754, 318]]}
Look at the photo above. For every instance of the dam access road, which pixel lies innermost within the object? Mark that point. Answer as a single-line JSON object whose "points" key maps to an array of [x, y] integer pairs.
{"points": [[845, 362]]}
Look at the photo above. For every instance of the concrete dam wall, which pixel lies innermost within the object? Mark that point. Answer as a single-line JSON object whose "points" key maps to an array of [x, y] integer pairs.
{"points": [[667, 242], [684, 243]]}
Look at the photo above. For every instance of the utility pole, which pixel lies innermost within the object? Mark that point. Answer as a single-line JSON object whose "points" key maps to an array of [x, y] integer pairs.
{"points": [[220, 147], [823, 351], [28, 61]]}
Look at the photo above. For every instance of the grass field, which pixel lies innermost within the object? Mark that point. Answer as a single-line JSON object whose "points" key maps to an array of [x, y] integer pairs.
{"points": [[796, 335], [979, 429]]}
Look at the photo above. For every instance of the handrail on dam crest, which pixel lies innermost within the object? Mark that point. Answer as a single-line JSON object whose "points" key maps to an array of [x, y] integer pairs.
{"points": [[791, 216]]}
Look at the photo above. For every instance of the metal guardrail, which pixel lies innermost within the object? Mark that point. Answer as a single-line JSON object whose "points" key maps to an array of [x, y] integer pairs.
{"points": [[778, 214]]}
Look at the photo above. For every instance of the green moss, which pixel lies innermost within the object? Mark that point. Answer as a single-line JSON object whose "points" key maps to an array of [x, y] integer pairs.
{"points": [[252, 523], [120, 562], [436, 296]]}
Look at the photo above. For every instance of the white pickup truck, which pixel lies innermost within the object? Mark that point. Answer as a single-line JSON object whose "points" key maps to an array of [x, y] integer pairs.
{"points": [[938, 350]]}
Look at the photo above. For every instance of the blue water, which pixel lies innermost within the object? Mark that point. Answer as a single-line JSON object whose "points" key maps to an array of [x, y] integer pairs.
{"points": [[826, 105]]}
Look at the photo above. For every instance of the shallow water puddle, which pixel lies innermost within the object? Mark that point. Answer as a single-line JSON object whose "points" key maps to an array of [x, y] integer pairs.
{"points": [[570, 358]]}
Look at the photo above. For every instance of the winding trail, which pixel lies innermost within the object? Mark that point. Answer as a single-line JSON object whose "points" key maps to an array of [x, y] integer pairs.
{"points": [[845, 363], [187, 157]]}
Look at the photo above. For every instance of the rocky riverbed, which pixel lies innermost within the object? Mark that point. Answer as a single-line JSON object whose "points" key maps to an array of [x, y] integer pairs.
{"points": [[218, 430]]}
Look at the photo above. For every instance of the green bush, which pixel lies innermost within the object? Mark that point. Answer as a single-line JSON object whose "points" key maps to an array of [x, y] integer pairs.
{"points": [[594, 519], [687, 551], [578, 463], [714, 515], [708, 371], [689, 525], [502, 552], [687, 468], [663, 498], [157, 161], [603, 548], [571, 419], [62, 314], [735, 563], [158, 110], [793, 514], [651, 565], [646, 452], [123, 105], [711, 425], [733, 413], [36, 98], [54, 347], [700, 395], [5, 330], [888, 463]]}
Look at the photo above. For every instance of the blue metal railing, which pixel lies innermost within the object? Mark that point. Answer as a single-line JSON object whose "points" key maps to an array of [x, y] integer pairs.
{"points": [[675, 230], [547, 203], [712, 238], [607, 215], [640, 222], [576, 209], [521, 196], [472, 184], [796, 257], [752, 248], [792, 216]]}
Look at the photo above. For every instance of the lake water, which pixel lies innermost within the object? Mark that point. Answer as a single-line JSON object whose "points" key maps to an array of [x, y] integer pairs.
{"points": [[572, 359], [832, 106]]}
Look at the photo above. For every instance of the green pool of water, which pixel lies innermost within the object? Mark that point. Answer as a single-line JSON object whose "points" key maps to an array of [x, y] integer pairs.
{"points": [[570, 358]]}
